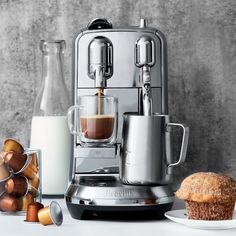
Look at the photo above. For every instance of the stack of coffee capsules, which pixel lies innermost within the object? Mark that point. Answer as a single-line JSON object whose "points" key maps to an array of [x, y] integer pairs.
{"points": [[19, 177]]}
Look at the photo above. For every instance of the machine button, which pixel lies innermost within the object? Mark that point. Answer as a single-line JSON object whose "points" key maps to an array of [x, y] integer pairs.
{"points": [[143, 23]]}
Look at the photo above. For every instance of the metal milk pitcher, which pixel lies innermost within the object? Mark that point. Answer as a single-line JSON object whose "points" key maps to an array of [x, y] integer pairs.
{"points": [[146, 157]]}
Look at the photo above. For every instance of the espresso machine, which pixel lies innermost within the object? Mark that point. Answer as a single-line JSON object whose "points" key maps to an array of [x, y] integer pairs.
{"points": [[130, 177]]}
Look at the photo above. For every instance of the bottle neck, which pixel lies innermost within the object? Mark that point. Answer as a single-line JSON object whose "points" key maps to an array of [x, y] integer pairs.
{"points": [[53, 98], [52, 71]]}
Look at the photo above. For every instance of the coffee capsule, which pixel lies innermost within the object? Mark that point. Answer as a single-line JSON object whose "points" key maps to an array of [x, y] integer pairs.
{"points": [[9, 203], [12, 145], [33, 191], [2, 155], [21, 163], [32, 212], [16, 161], [2, 184], [26, 200], [2, 188], [34, 182], [29, 172], [4, 172], [17, 186], [34, 160], [51, 214]]}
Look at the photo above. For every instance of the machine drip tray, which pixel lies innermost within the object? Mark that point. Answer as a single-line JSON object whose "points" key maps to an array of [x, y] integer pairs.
{"points": [[89, 212], [97, 197]]}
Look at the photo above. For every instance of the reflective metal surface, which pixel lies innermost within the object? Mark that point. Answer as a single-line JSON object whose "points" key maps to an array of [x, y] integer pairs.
{"points": [[109, 191], [125, 73], [88, 159], [145, 59], [100, 66], [143, 149], [133, 63], [145, 51], [125, 82]]}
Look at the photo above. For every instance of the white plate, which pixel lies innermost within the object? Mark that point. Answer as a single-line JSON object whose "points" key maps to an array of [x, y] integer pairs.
{"points": [[180, 217]]}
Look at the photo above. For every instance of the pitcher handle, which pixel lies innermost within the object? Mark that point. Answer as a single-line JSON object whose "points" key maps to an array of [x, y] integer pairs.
{"points": [[184, 144]]}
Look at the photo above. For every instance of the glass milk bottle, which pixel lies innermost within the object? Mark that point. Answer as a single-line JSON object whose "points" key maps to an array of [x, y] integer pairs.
{"points": [[49, 130]]}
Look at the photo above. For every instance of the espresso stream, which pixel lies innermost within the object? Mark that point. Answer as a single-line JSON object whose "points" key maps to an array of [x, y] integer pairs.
{"points": [[99, 100]]}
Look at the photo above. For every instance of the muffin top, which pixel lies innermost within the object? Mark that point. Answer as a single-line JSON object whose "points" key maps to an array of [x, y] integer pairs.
{"points": [[207, 187]]}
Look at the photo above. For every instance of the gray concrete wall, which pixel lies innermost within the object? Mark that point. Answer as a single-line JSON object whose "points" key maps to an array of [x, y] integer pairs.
{"points": [[201, 36]]}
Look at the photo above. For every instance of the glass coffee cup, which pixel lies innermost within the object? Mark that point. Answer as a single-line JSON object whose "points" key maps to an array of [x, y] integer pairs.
{"points": [[94, 119]]}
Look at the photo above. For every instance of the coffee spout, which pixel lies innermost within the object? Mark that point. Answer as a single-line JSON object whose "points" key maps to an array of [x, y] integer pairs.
{"points": [[99, 77], [100, 66]]}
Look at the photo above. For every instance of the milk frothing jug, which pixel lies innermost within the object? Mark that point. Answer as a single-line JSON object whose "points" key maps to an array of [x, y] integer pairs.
{"points": [[146, 149]]}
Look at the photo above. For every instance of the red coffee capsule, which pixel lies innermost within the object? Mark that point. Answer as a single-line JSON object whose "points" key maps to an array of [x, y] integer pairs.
{"points": [[17, 186], [32, 212], [15, 160], [9, 203]]}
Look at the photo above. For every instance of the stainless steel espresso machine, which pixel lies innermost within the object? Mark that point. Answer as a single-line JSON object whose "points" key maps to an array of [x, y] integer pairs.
{"points": [[128, 175]]}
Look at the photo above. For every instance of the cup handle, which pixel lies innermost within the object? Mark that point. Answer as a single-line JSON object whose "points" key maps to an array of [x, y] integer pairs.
{"points": [[72, 123], [184, 144]]}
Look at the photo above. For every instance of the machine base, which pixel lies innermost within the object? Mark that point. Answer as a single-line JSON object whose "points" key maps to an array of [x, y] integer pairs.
{"points": [[105, 197], [89, 212]]}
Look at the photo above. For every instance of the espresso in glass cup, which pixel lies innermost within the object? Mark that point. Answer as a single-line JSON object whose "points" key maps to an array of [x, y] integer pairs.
{"points": [[94, 119]]}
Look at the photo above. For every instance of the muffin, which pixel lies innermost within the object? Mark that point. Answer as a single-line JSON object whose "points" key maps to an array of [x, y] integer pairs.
{"points": [[208, 196]]}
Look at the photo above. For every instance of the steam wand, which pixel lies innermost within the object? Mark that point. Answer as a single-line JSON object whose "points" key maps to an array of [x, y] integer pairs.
{"points": [[146, 91], [145, 51]]}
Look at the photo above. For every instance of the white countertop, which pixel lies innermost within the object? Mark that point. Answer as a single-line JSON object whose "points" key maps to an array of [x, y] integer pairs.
{"points": [[15, 226]]}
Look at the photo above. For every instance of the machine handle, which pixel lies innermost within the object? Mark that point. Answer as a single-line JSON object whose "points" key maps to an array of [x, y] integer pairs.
{"points": [[72, 119], [184, 144]]}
